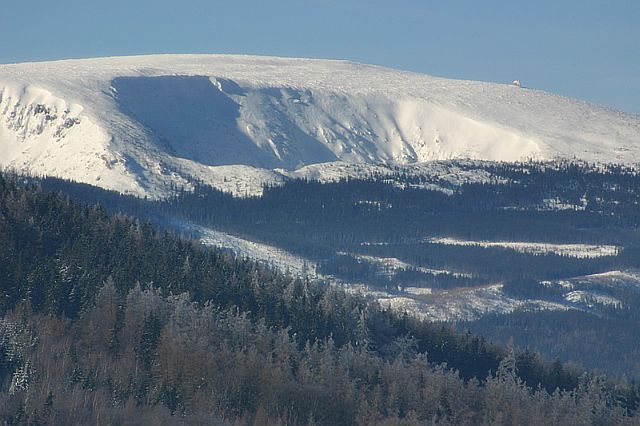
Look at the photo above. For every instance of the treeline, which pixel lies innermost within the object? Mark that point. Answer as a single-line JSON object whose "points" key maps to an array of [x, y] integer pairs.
{"points": [[181, 330]]}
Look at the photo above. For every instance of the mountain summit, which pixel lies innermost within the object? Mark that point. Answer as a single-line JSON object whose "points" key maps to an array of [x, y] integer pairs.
{"points": [[135, 124]]}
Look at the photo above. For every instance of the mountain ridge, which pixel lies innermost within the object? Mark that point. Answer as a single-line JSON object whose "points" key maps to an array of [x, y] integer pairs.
{"points": [[139, 124]]}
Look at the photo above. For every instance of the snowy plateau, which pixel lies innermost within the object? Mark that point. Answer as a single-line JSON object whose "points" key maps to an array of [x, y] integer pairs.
{"points": [[139, 124], [143, 125]]}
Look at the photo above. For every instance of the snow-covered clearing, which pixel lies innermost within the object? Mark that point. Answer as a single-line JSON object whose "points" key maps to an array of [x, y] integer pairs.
{"points": [[612, 278], [263, 253], [589, 297], [464, 303], [583, 251]]}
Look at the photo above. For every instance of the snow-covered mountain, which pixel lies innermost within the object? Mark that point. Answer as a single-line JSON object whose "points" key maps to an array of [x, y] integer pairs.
{"points": [[135, 124]]}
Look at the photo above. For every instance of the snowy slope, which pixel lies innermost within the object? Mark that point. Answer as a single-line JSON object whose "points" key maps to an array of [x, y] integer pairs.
{"points": [[136, 124]]}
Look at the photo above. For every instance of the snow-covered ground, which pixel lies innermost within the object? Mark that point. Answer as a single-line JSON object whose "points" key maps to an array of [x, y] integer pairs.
{"points": [[586, 293], [445, 305], [556, 204], [605, 289], [583, 251], [390, 265], [138, 124], [444, 176], [263, 253], [464, 303], [437, 175], [590, 297], [612, 279]]}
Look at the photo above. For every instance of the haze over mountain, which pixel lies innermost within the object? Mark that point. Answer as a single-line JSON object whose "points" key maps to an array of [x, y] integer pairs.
{"points": [[135, 124]]}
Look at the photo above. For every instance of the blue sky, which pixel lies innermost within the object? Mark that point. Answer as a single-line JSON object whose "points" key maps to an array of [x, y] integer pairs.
{"points": [[587, 49]]}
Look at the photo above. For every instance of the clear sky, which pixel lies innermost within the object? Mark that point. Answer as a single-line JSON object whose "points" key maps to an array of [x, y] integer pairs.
{"points": [[587, 49]]}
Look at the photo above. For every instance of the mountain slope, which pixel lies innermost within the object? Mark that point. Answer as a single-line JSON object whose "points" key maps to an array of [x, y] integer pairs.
{"points": [[136, 124]]}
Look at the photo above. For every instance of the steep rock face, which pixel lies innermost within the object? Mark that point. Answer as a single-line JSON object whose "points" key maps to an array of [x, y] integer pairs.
{"points": [[137, 124]]}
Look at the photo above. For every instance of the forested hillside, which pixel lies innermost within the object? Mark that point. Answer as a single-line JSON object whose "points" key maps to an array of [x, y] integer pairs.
{"points": [[106, 318], [539, 240]]}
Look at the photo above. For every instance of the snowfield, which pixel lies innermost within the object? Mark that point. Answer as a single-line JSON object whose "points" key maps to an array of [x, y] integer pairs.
{"points": [[138, 124], [269, 255], [582, 251], [612, 280]]}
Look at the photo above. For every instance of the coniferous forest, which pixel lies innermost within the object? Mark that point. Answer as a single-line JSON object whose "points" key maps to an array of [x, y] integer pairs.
{"points": [[344, 226], [108, 318]]}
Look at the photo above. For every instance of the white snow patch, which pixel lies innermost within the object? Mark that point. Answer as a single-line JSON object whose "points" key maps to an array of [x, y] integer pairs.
{"points": [[611, 279], [418, 291], [614, 278], [589, 297], [584, 251], [464, 303], [43, 134], [427, 303], [562, 283], [556, 204], [266, 254], [443, 176]]}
